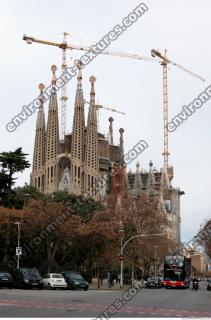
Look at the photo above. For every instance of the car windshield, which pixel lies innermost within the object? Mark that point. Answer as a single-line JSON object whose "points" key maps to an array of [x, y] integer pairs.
{"points": [[30, 271], [57, 275], [152, 279], [75, 276], [5, 274]]}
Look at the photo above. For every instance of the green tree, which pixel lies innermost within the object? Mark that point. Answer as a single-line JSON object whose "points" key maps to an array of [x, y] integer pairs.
{"points": [[4, 182], [85, 208], [12, 162], [19, 195]]}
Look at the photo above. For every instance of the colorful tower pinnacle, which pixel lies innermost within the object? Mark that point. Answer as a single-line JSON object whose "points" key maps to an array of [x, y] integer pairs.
{"points": [[78, 139], [39, 146], [91, 147], [52, 139]]}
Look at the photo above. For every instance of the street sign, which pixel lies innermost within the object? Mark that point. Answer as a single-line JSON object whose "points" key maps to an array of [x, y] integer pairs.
{"points": [[121, 258], [18, 251]]}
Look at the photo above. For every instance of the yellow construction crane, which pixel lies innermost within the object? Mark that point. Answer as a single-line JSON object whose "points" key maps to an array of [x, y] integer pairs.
{"points": [[164, 62], [100, 106], [64, 46]]}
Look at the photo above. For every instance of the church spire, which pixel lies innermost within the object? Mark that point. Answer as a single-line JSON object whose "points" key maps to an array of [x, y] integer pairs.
{"points": [[137, 184], [121, 145], [151, 180], [91, 153], [52, 138], [110, 134], [78, 137], [40, 124], [39, 145]]}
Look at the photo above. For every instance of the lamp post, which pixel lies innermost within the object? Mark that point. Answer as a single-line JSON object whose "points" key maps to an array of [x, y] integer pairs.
{"points": [[155, 271], [19, 224], [121, 254], [123, 245], [19, 233]]}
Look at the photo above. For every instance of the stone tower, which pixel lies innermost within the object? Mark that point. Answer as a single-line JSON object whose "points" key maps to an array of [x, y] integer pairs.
{"points": [[91, 146], [118, 178], [52, 140], [78, 139], [82, 162], [38, 174], [137, 184]]}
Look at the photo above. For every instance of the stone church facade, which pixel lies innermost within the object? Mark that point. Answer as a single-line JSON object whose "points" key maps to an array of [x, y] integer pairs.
{"points": [[87, 162], [78, 162]]}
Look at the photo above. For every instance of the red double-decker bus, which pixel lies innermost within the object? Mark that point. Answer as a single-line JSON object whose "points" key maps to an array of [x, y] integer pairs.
{"points": [[177, 272]]}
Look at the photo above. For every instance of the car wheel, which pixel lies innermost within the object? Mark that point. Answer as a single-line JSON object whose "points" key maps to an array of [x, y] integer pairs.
{"points": [[85, 289], [49, 287]]}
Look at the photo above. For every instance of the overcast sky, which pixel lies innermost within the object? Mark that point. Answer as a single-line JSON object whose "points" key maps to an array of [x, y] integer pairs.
{"points": [[132, 86]]}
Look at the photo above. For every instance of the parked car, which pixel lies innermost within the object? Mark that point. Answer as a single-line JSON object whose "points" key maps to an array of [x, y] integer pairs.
{"points": [[153, 282], [27, 278], [5, 280], [53, 281], [209, 284], [75, 280]]}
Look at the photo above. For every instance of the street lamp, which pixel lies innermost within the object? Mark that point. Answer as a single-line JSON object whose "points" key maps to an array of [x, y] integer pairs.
{"points": [[155, 262], [19, 233], [121, 230], [19, 224], [123, 245]]}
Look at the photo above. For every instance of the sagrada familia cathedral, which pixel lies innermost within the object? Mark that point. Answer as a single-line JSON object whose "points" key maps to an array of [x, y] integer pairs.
{"points": [[86, 158]]}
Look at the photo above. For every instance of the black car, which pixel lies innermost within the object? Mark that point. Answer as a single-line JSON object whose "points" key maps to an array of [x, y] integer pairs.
{"points": [[75, 280], [6, 280], [153, 282], [209, 284], [27, 278]]}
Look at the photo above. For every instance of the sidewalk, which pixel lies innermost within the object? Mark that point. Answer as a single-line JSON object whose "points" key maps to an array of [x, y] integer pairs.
{"points": [[116, 286]]}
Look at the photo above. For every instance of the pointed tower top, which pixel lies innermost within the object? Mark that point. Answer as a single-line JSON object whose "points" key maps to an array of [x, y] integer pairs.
{"points": [[138, 183], [40, 124], [92, 116], [111, 139], [151, 180], [41, 87], [79, 77], [53, 69], [121, 144], [137, 167], [92, 80]]}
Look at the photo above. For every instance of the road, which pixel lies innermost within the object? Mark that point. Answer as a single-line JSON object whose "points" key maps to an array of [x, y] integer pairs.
{"points": [[92, 303]]}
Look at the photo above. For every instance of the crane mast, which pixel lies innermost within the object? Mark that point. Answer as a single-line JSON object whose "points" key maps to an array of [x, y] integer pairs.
{"points": [[165, 110], [164, 61]]}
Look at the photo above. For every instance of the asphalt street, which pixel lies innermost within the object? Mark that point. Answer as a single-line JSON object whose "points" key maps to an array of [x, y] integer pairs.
{"points": [[92, 303]]}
